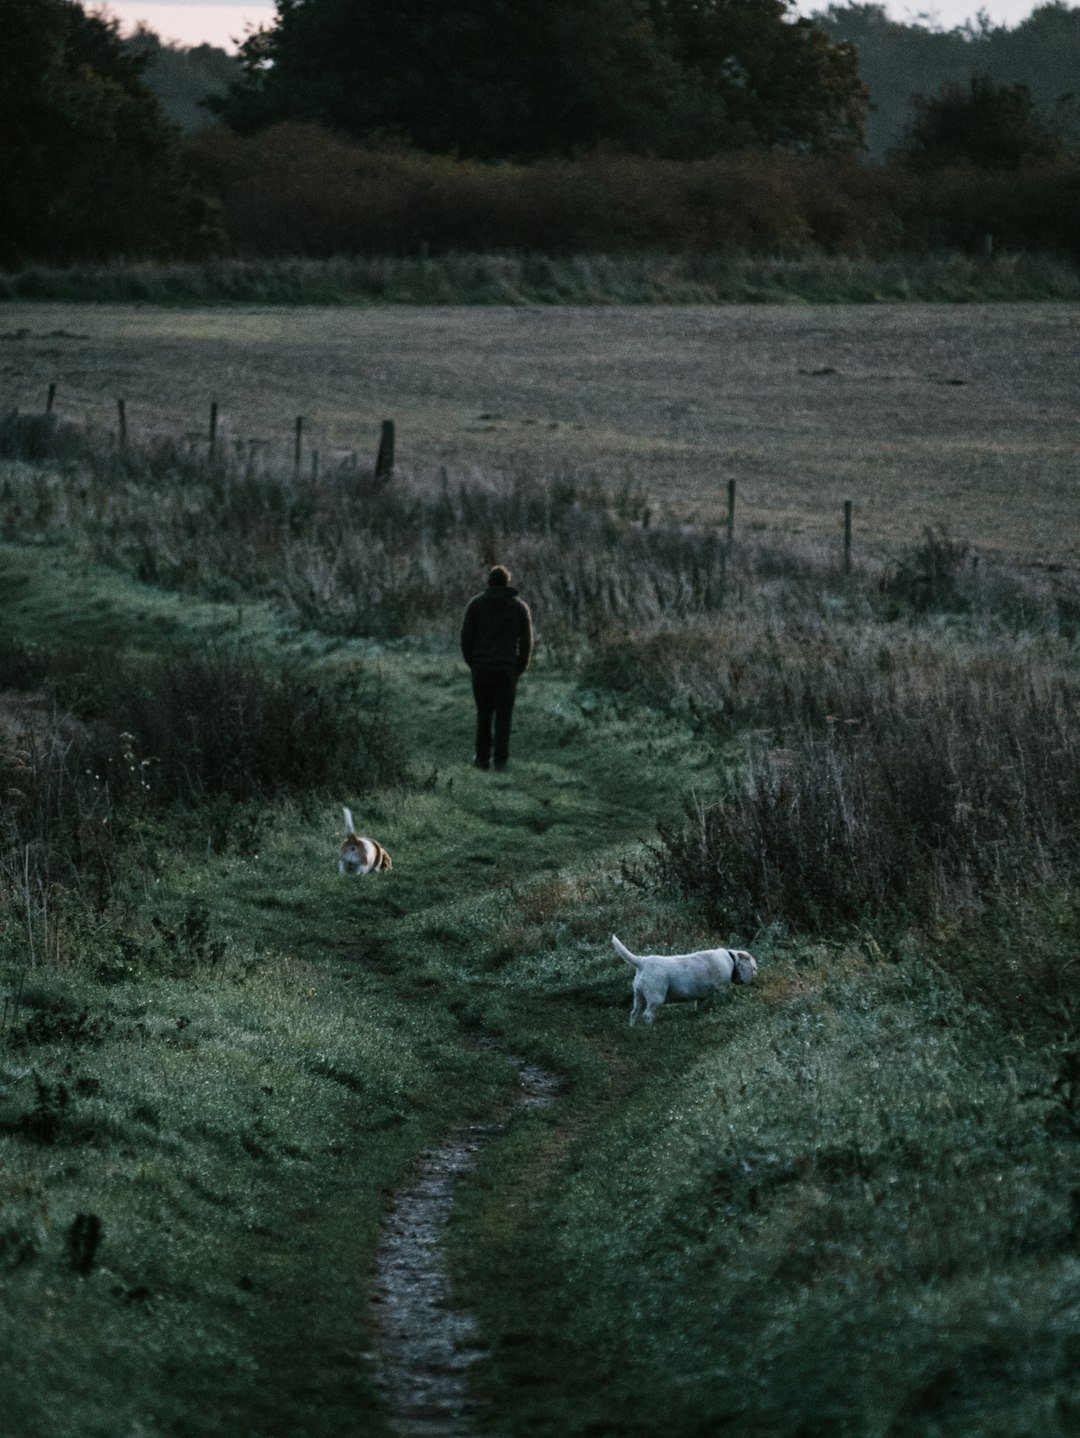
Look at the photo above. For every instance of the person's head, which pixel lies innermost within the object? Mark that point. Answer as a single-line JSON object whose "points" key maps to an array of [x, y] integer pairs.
{"points": [[499, 575]]}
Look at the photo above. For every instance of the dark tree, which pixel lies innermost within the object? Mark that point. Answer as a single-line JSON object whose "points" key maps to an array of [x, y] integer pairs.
{"points": [[485, 78], [524, 78], [985, 126], [89, 167], [765, 80], [899, 61], [182, 76]]}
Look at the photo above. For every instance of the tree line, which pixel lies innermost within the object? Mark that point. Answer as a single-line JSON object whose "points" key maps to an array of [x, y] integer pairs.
{"points": [[89, 166], [92, 168], [521, 79], [906, 65]]}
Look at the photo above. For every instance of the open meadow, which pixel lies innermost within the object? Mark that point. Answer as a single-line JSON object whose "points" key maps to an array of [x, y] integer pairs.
{"points": [[841, 1202], [963, 417]]}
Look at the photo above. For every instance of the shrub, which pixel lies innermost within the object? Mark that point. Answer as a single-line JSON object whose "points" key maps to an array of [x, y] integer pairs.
{"points": [[38, 437], [959, 207], [89, 166], [22, 665], [296, 190], [933, 576], [221, 724], [353, 556], [940, 795], [55, 818], [209, 734], [987, 126]]}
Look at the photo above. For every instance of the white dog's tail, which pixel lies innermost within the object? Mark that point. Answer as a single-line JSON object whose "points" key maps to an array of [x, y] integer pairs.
{"points": [[624, 953], [348, 821]]}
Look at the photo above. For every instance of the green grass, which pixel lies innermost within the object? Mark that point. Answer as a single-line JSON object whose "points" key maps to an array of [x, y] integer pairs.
{"points": [[840, 1202], [50, 596], [263, 1048], [512, 279], [234, 1133], [833, 1206]]}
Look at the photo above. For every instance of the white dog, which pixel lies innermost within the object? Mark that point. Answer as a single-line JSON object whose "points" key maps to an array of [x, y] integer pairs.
{"points": [[683, 976], [359, 855]]}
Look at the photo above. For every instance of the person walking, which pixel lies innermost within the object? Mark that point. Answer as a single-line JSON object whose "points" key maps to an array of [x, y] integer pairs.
{"points": [[496, 642]]}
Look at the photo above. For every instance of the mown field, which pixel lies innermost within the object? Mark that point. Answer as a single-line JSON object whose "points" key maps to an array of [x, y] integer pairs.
{"points": [[843, 1201], [958, 416]]}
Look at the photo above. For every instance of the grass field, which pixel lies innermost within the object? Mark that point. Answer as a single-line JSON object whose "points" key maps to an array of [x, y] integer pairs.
{"points": [[961, 416], [842, 1203]]}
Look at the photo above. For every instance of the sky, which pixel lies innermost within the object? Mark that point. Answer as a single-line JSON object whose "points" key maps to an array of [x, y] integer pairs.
{"points": [[222, 22]]}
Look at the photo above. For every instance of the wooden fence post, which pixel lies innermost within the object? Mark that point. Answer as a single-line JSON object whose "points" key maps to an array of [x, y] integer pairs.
{"points": [[730, 512], [847, 536], [52, 396], [299, 442], [384, 464], [121, 414], [213, 427]]}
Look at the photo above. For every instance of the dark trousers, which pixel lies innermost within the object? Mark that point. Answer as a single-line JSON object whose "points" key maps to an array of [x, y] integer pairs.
{"points": [[494, 692]]}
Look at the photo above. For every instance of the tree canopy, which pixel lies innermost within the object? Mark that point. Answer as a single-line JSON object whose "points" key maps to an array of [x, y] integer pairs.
{"points": [[902, 60], [519, 79], [984, 125], [89, 166]]}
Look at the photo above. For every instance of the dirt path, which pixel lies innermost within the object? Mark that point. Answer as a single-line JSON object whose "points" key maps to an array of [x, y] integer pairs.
{"points": [[423, 1345]]}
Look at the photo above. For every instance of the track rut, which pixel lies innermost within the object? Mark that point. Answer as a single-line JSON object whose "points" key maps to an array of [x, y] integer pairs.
{"points": [[423, 1345]]}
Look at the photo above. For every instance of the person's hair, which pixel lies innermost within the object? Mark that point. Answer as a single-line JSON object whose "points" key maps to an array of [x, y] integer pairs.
{"points": [[499, 574]]}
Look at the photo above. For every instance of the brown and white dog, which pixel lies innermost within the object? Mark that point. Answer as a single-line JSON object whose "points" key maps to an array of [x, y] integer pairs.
{"points": [[359, 855]]}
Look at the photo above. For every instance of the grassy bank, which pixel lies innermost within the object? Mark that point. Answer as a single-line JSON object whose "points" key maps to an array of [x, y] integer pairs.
{"points": [[842, 1201], [837, 1208], [212, 1051], [527, 279]]}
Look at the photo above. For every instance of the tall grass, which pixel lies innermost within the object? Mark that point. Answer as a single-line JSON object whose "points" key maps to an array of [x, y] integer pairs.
{"points": [[353, 555], [920, 799], [893, 776], [530, 278], [224, 725], [797, 641], [840, 1201], [667, 610], [104, 761]]}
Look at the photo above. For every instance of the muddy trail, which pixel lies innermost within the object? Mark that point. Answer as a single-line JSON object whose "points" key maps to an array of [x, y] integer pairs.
{"points": [[423, 1345]]}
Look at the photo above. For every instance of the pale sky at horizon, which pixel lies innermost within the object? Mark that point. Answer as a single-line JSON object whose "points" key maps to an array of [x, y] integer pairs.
{"points": [[223, 22]]}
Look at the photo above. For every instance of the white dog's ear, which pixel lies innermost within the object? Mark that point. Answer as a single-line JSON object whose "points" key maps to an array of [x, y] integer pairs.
{"points": [[745, 966]]}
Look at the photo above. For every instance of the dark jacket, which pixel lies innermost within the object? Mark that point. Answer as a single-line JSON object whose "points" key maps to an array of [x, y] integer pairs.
{"points": [[497, 632]]}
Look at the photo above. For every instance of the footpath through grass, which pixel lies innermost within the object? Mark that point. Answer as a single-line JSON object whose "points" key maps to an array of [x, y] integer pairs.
{"points": [[209, 1088], [843, 1201]]}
